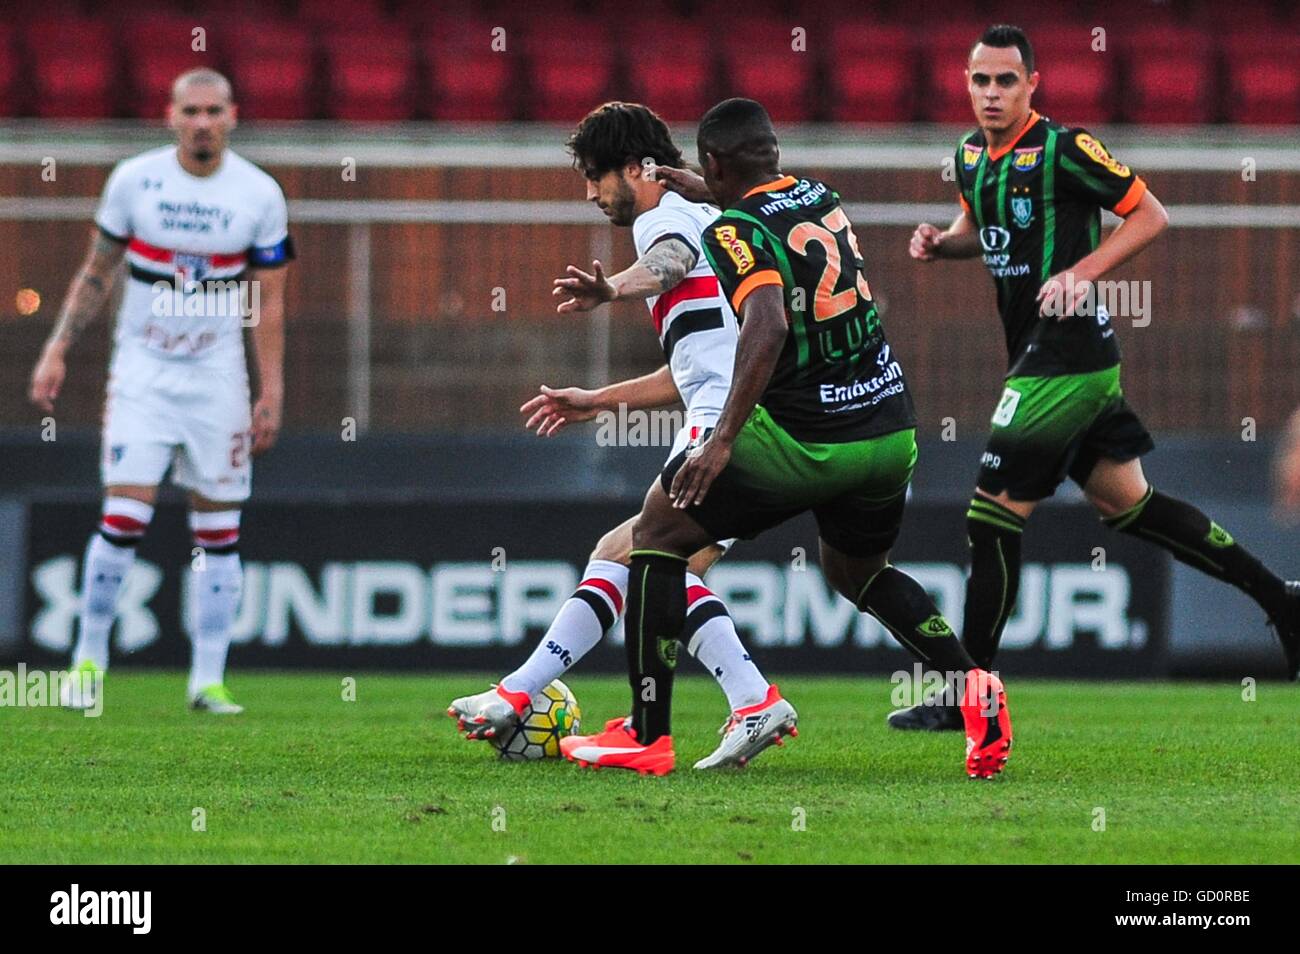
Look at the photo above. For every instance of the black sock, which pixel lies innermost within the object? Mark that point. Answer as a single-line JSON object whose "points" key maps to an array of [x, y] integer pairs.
{"points": [[656, 613], [994, 534], [1195, 539], [906, 610]]}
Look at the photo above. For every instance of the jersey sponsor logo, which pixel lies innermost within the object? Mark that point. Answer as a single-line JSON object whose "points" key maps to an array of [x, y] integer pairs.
{"points": [[1022, 210], [1098, 154], [1028, 159], [736, 247], [995, 238], [970, 155]]}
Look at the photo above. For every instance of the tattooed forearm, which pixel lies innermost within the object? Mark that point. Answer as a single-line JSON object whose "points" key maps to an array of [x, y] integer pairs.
{"points": [[659, 269], [89, 290]]}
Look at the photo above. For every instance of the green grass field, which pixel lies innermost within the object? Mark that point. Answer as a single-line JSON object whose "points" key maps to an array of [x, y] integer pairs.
{"points": [[1184, 772]]}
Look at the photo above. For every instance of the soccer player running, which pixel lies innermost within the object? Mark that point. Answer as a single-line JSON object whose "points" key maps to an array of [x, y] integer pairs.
{"points": [[1031, 192], [203, 231], [697, 331], [818, 418]]}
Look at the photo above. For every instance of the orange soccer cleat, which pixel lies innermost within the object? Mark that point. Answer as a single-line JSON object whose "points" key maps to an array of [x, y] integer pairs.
{"points": [[988, 724], [618, 747]]}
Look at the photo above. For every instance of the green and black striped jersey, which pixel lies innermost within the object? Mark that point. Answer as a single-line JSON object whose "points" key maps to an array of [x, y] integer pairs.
{"points": [[836, 379], [1037, 204]]}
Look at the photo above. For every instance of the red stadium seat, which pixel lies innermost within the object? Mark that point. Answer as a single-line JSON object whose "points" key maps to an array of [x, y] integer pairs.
{"points": [[1171, 75], [759, 61], [271, 68], [465, 79], [564, 87], [370, 74], [158, 49], [1077, 83], [672, 71], [74, 65], [947, 99], [1263, 77], [10, 103], [871, 73]]}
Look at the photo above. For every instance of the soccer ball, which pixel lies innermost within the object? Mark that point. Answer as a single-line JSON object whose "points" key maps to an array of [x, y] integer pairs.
{"points": [[551, 716]]}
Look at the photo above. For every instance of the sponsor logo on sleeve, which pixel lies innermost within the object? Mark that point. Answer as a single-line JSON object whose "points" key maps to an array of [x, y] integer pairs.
{"points": [[1098, 154], [970, 155], [736, 247]]}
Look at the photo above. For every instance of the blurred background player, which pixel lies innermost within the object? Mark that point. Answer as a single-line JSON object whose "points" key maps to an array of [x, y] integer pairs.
{"points": [[697, 331], [205, 236], [1032, 191], [819, 418]]}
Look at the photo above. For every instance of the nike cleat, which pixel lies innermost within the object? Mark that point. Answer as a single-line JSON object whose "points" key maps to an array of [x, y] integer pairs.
{"points": [[489, 714], [216, 699], [1287, 626], [617, 747], [751, 730], [81, 689], [988, 724]]}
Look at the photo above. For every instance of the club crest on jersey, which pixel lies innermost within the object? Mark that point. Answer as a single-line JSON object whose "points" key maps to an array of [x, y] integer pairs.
{"points": [[970, 155], [1027, 160], [1098, 154], [1022, 210], [736, 247], [191, 268]]}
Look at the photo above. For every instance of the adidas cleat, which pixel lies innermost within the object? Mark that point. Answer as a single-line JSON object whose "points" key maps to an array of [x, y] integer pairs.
{"points": [[81, 689], [751, 730], [215, 699], [489, 714], [617, 747], [988, 724]]}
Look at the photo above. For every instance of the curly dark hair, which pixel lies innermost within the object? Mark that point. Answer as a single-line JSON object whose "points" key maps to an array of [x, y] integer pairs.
{"points": [[614, 134]]}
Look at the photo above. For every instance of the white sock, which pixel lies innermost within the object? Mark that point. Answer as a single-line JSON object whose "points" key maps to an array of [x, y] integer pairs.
{"points": [[216, 591], [712, 639], [583, 619], [105, 567]]}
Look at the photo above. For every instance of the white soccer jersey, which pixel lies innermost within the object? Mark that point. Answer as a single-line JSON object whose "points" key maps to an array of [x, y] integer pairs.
{"points": [[197, 235], [694, 321]]}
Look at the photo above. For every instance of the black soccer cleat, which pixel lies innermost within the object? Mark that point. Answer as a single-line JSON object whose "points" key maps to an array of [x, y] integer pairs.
{"points": [[928, 717], [1287, 626]]}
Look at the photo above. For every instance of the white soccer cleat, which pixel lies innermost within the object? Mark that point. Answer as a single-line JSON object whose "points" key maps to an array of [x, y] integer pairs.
{"points": [[752, 729], [81, 689], [215, 699], [489, 714]]}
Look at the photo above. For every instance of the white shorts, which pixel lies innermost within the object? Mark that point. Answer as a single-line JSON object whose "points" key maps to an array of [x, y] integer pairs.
{"points": [[159, 413], [684, 436]]}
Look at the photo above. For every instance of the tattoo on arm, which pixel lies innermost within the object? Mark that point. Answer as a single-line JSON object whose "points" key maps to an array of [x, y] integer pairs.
{"points": [[669, 262], [89, 289]]}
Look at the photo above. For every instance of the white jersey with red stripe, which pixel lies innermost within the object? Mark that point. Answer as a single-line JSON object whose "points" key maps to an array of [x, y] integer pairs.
{"points": [[696, 326], [190, 240]]}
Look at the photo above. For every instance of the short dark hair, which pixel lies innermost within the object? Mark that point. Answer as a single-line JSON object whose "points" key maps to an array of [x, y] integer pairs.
{"points": [[615, 134], [1003, 35], [739, 131]]}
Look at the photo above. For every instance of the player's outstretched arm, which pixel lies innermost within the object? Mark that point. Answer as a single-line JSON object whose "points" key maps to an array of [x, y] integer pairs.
{"points": [[763, 332], [1138, 230], [689, 185], [960, 240], [267, 322], [554, 408], [661, 268], [85, 299]]}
